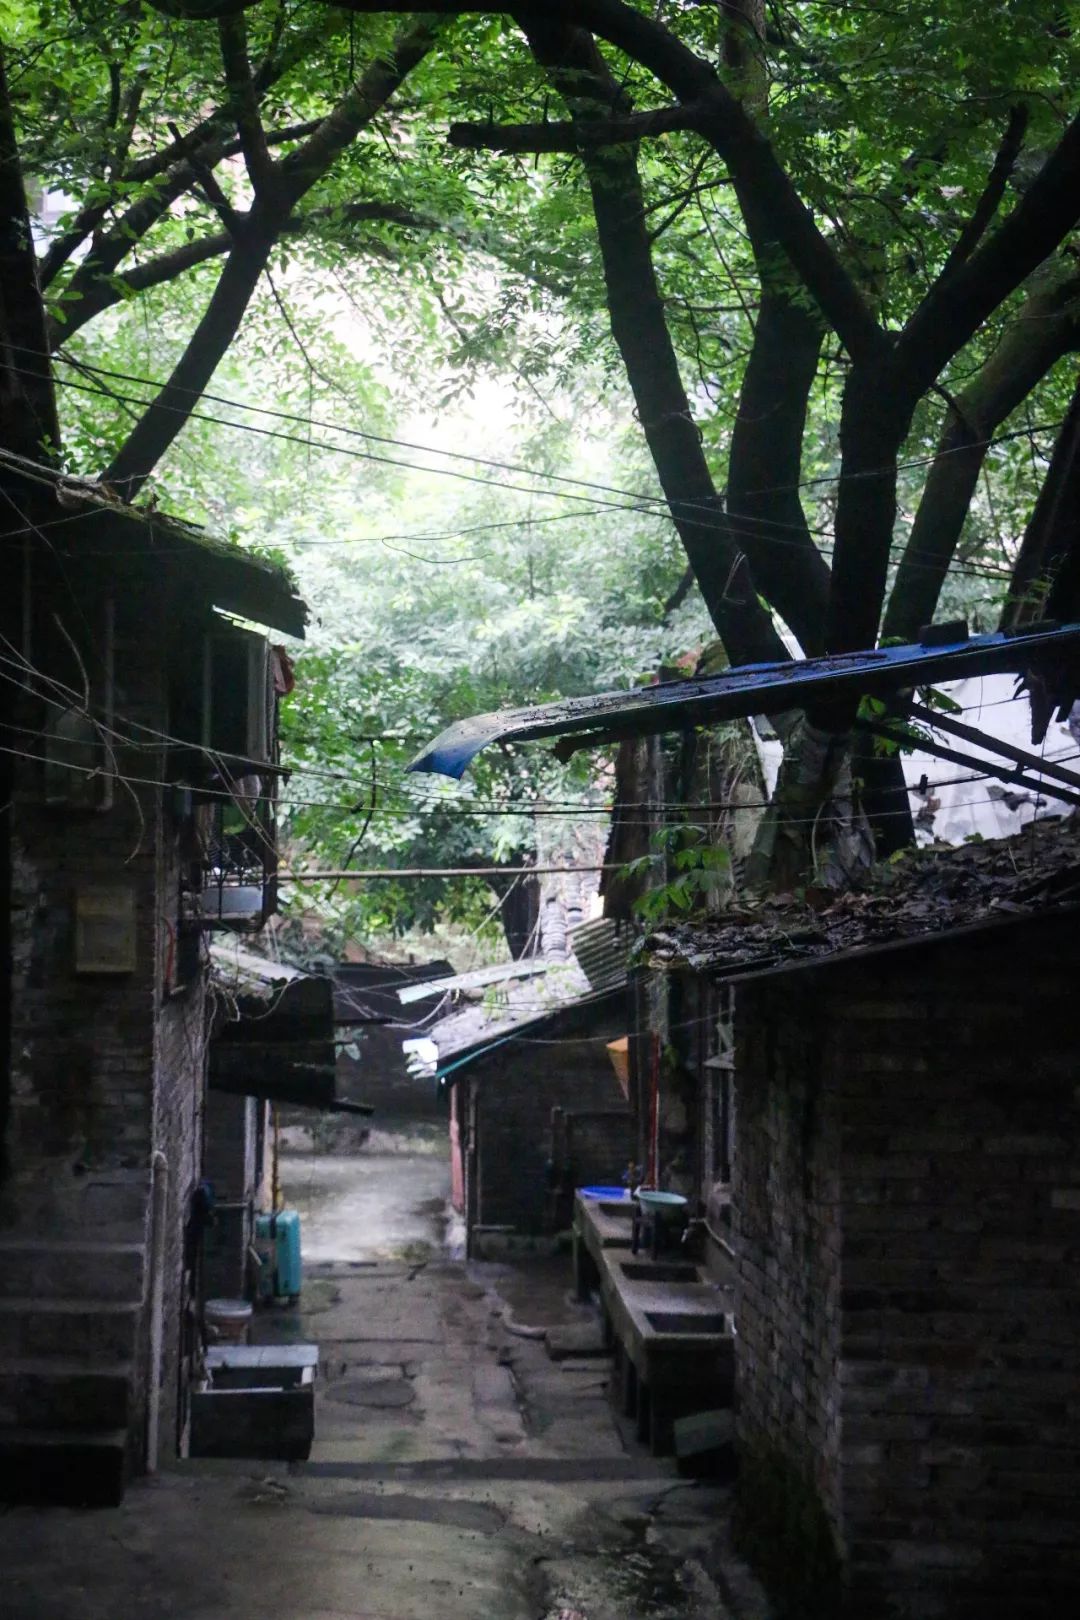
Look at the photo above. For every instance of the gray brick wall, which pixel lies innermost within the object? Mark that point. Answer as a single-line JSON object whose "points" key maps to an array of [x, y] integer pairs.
{"points": [[923, 1224], [104, 1070], [787, 1238], [517, 1087]]}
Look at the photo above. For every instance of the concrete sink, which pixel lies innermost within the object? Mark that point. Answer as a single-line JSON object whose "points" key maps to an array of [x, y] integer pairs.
{"points": [[659, 1271], [683, 1322]]}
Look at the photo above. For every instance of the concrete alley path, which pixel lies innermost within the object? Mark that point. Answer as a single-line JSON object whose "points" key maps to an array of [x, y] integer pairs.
{"points": [[458, 1472]]}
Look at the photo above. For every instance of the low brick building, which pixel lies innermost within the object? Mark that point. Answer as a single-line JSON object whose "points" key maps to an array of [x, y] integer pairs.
{"points": [[137, 764], [904, 1199], [534, 1118], [536, 1106]]}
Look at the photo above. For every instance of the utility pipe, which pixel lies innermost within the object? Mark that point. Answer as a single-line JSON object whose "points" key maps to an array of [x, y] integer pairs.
{"points": [[159, 1178]]}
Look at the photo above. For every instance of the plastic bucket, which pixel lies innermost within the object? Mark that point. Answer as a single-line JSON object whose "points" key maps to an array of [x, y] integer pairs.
{"points": [[227, 1320]]}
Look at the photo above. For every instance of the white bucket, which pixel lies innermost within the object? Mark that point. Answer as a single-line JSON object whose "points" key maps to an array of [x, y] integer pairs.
{"points": [[228, 1321]]}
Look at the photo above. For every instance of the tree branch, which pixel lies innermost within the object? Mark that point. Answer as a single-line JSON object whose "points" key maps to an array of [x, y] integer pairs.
{"points": [[250, 254], [1047, 327], [957, 305], [243, 103], [990, 200], [214, 128], [566, 136], [725, 123], [174, 262], [577, 70], [300, 170]]}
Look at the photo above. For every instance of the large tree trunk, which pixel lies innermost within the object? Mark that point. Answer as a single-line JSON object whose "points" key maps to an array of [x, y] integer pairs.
{"points": [[639, 327], [28, 419], [1052, 536], [765, 459], [764, 468]]}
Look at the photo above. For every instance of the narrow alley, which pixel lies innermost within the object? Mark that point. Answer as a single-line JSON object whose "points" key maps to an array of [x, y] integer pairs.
{"points": [[458, 1470]]}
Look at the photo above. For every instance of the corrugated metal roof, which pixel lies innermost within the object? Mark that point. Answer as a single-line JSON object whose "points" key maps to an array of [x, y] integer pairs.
{"points": [[477, 979], [518, 1004], [602, 948], [367, 992], [755, 689]]}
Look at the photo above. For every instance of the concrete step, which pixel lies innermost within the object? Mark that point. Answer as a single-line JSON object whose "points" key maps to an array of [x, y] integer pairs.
{"points": [[90, 1329], [62, 1393], [44, 1268], [99, 1206], [78, 1468]]}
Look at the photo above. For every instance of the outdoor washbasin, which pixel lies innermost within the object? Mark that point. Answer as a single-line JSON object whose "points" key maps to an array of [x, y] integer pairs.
{"points": [[687, 1321], [660, 1271], [255, 1401]]}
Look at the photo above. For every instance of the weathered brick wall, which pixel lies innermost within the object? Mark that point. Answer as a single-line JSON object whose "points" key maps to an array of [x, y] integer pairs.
{"points": [[178, 1133], [104, 1072], [229, 1164], [517, 1087], [787, 1239], [950, 1131]]}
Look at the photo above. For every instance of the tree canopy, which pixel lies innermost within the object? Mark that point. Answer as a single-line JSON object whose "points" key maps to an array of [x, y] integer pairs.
{"points": [[826, 251]]}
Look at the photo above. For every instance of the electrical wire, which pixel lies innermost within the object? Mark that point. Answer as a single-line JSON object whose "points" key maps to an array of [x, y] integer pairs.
{"points": [[517, 468], [422, 801], [464, 809], [164, 782], [739, 527]]}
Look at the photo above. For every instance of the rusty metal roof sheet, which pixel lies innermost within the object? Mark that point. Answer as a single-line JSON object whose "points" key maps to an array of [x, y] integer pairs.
{"points": [[602, 949], [756, 689]]}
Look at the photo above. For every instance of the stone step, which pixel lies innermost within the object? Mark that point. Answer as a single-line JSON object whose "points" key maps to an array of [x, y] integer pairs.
{"points": [[43, 1268], [94, 1330], [100, 1206], [77, 1468], [63, 1393]]}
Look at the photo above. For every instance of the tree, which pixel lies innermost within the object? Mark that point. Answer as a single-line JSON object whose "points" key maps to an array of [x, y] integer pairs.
{"points": [[906, 192], [188, 154], [908, 213]]}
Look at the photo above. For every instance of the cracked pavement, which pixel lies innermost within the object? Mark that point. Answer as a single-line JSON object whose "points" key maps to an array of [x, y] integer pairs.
{"points": [[457, 1472]]}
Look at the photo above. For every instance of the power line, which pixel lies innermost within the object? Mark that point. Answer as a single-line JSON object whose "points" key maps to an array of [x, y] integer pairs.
{"points": [[223, 793], [518, 468], [339, 875], [430, 802], [742, 527]]}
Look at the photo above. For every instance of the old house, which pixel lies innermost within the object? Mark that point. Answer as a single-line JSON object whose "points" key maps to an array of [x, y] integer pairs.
{"points": [[903, 1163], [137, 785], [536, 1105]]}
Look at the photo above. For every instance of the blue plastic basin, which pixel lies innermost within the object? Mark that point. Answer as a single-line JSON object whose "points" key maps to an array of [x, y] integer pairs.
{"points": [[602, 1192]]}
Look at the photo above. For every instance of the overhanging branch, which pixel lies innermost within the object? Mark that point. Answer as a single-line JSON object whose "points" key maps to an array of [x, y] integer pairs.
{"points": [[566, 136], [958, 304], [990, 200]]}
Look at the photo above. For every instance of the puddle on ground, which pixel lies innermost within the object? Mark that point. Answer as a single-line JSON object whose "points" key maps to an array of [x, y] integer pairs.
{"points": [[375, 1392]]}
